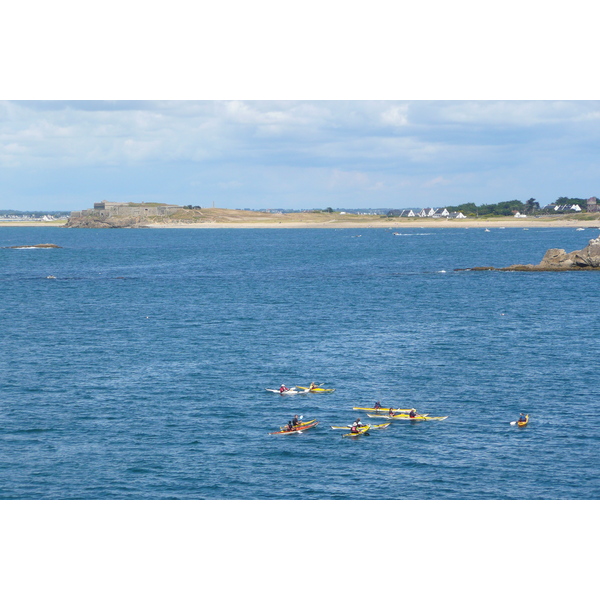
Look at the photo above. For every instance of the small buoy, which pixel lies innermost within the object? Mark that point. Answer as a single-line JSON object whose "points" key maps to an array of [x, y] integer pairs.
{"points": [[50, 277]]}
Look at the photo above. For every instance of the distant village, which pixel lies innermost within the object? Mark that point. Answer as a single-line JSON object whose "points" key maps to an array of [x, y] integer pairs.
{"points": [[14, 216]]}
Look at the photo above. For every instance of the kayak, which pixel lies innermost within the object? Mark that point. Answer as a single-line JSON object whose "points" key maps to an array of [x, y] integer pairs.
{"points": [[316, 390], [298, 429], [523, 423], [380, 426], [381, 415], [290, 391], [301, 424], [425, 417], [406, 410], [361, 431]]}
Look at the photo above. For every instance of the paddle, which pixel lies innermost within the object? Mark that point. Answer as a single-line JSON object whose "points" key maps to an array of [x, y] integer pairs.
{"points": [[513, 422]]}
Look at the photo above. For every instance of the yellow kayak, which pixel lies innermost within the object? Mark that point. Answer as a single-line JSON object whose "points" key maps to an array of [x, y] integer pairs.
{"points": [[380, 426], [425, 417], [300, 424], [316, 389], [299, 429], [387, 410], [523, 423], [361, 431]]}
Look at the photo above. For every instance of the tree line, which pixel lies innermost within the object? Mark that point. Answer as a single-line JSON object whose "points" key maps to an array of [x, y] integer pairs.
{"points": [[510, 207]]}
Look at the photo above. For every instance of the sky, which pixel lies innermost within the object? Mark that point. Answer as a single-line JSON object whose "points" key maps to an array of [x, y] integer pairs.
{"points": [[66, 155]]}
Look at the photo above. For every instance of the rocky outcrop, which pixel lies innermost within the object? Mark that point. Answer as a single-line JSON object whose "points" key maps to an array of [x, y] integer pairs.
{"points": [[95, 222], [557, 259], [588, 257]]}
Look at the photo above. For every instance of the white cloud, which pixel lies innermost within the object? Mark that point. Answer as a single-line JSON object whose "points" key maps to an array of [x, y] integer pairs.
{"points": [[395, 115], [295, 150]]}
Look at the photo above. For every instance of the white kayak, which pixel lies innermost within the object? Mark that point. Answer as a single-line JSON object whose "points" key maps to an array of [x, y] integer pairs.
{"points": [[290, 391]]}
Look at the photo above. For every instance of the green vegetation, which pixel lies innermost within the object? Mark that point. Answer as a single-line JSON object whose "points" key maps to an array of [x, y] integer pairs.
{"points": [[502, 209], [579, 201], [531, 206]]}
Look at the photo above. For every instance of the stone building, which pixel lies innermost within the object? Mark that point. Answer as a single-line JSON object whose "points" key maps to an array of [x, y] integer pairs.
{"points": [[127, 209], [592, 204]]}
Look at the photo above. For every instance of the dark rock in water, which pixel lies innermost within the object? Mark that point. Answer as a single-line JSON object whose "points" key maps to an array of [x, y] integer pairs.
{"points": [[37, 246], [588, 257], [557, 259]]}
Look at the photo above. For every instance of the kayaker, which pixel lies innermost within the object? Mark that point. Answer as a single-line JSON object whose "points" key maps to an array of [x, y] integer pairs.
{"points": [[377, 405], [413, 413], [283, 389], [290, 427], [392, 413], [295, 421], [522, 418], [355, 426], [312, 386]]}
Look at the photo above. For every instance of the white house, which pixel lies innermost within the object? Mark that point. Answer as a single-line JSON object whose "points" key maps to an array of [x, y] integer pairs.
{"points": [[426, 212], [566, 208]]}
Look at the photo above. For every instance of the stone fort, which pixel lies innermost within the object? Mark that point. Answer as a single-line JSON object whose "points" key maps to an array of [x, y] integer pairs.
{"points": [[127, 209]]}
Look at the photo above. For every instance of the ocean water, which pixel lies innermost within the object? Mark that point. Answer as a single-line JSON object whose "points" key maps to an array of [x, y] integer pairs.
{"points": [[139, 370]]}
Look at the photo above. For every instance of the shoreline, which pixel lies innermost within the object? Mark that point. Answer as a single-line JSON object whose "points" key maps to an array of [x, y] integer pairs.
{"points": [[431, 224], [507, 223]]}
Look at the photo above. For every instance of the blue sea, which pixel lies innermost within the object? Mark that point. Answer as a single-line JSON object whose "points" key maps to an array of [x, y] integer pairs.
{"points": [[138, 371]]}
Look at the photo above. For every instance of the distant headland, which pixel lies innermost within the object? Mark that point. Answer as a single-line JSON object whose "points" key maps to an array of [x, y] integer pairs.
{"points": [[565, 212], [159, 215]]}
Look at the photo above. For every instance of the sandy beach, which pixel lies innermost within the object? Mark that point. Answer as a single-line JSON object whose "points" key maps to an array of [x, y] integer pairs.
{"points": [[60, 223]]}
